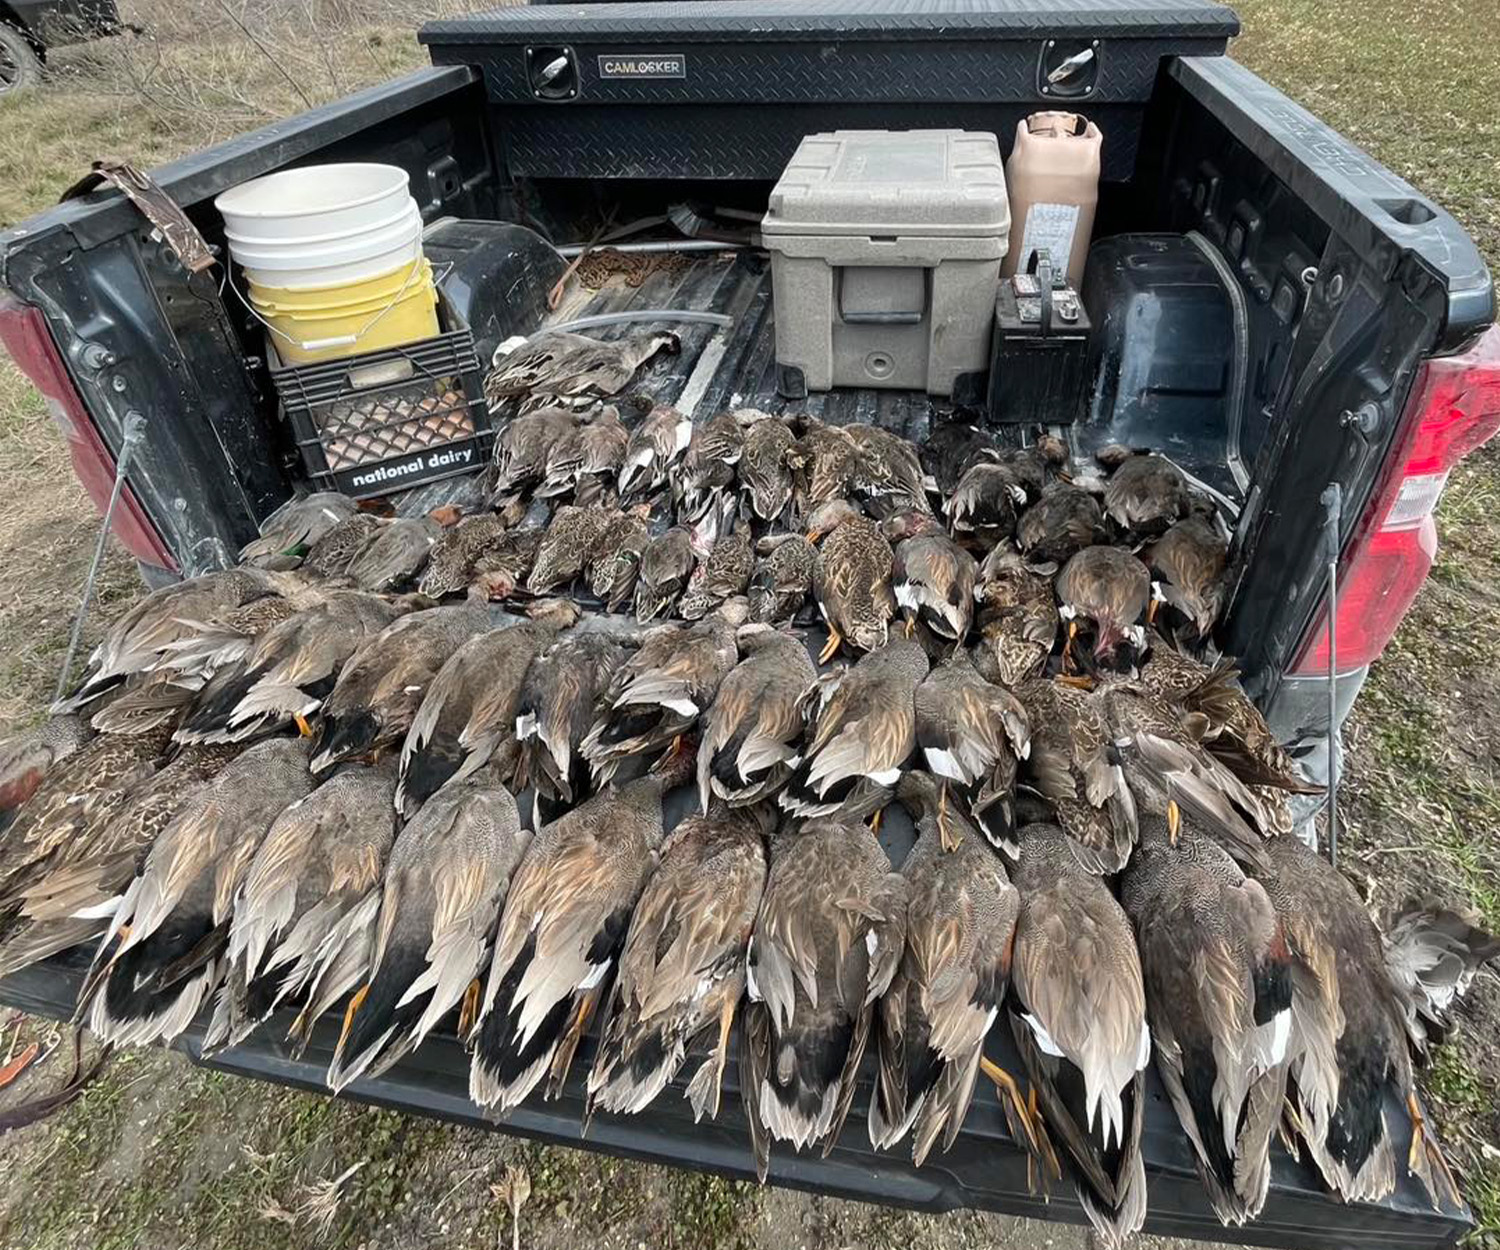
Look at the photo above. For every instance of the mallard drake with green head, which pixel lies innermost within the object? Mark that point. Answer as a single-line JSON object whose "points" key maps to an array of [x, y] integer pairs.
{"points": [[753, 731], [931, 1023], [304, 914], [863, 732], [560, 934], [655, 445], [1218, 977], [828, 939], [1108, 591], [682, 970], [782, 577], [172, 922], [448, 875], [1078, 1013], [971, 735], [851, 578], [932, 577], [659, 693], [470, 707]]}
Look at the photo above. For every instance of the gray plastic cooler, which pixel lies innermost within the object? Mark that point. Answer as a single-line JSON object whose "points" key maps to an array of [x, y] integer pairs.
{"points": [[885, 256]]}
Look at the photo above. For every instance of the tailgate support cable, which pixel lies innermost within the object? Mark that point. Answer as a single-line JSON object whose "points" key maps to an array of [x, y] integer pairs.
{"points": [[1333, 505], [134, 433]]}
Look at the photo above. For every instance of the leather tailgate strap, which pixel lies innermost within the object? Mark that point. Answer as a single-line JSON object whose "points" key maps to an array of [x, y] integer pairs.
{"points": [[159, 208]]}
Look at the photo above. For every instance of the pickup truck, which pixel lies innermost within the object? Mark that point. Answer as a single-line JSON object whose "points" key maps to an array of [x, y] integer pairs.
{"points": [[29, 27], [1359, 362]]}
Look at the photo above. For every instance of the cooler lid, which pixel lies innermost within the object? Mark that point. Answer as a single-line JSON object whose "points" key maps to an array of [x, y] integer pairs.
{"points": [[911, 182]]}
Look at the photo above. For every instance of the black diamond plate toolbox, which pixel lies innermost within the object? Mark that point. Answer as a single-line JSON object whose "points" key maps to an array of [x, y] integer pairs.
{"points": [[659, 90]]}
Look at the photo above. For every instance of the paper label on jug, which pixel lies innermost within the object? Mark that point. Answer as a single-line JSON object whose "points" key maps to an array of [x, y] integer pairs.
{"points": [[1051, 226]]}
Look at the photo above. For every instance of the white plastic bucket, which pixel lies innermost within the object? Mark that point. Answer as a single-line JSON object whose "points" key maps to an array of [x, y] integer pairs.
{"points": [[367, 254], [322, 225]]}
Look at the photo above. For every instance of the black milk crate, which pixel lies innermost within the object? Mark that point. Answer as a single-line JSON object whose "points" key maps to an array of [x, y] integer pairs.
{"points": [[384, 421]]}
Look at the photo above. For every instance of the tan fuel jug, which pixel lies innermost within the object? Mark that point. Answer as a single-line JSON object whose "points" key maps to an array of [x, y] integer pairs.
{"points": [[1053, 181]]}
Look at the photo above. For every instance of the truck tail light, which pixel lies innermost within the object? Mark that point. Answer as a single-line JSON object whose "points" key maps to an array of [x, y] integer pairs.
{"points": [[1454, 408], [24, 335]]}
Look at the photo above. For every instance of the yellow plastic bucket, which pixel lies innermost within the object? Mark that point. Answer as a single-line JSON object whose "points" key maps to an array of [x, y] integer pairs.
{"points": [[328, 323]]}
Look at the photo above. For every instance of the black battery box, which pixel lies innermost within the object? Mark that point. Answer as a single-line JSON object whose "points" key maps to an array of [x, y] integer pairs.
{"points": [[1039, 358]]}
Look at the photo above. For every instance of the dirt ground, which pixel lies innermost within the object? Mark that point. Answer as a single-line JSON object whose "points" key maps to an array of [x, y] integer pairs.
{"points": [[159, 1154]]}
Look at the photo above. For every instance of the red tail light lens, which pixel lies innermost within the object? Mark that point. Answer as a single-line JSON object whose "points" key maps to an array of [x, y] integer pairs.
{"points": [[1455, 407], [24, 335]]}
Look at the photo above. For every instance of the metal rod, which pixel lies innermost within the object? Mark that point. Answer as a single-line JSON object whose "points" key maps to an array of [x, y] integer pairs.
{"points": [[1333, 504], [658, 246]]}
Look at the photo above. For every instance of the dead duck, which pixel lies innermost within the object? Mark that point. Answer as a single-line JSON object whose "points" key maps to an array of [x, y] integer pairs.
{"points": [[1188, 562], [932, 577], [68, 901], [824, 462], [951, 449], [972, 735], [560, 935], [447, 878], [151, 701], [1071, 766], [660, 692], [864, 730], [666, 565], [455, 557], [602, 440], [655, 445], [931, 1023], [522, 447], [172, 922], [752, 732], [299, 523], [614, 565], [1108, 590], [1061, 523], [851, 578], [91, 784], [304, 914], [724, 574], [782, 577], [983, 507], [331, 555], [765, 471], [572, 538], [709, 467], [1145, 493], [212, 646], [1232, 727], [887, 471], [1017, 615], [1350, 1048], [26, 757], [554, 714], [379, 690], [1218, 976], [469, 709], [392, 561], [682, 969], [139, 639], [814, 975], [560, 367], [1078, 1013], [288, 672]]}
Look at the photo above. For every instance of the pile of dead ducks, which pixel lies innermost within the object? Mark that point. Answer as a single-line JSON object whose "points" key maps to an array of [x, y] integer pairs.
{"points": [[412, 772]]}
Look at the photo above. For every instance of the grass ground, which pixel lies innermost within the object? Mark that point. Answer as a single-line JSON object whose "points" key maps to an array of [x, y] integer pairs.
{"points": [[161, 1154]]}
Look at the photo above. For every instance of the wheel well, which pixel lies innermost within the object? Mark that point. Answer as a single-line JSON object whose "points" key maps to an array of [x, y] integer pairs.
{"points": [[11, 18]]}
